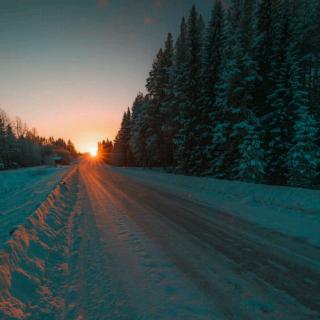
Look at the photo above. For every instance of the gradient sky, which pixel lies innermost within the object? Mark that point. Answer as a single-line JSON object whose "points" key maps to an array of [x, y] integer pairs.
{"points": [[71, 67]]}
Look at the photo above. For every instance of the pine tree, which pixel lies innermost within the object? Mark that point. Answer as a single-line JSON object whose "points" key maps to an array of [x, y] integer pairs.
{"points": [[105, 148], [2, 140], [190, 88], [239, 101], [306, 16], [178, 80], [121, 154], [211, 74], [12, 148], [251, 166], [71, 148], [158, 87], [304, 157], [264, 46], [138, 127], [221, 130], [236, 97], [166, 108], [289, 95]]}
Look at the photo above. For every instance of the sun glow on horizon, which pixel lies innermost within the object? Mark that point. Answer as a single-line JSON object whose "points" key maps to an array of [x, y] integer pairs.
{"points": [[93, 151], [86, 141]]}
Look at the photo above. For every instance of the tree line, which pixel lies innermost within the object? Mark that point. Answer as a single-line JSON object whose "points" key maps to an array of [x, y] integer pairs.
{"points": [[23, 147], [238, 98]]}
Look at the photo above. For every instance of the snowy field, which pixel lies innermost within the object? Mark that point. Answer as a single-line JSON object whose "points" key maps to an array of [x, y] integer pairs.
{"points": [[21, 193], [292, 211]]}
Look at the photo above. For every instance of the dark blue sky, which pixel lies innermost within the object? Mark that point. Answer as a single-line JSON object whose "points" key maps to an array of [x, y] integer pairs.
{"points": [[70, 67]]}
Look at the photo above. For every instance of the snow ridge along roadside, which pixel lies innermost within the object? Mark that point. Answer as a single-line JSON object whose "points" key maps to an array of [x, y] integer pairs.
{"points": [[22, 191], [36, 253]]}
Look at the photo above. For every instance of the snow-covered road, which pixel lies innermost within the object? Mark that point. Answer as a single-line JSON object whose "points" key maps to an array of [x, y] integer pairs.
{"points": [[105, 246]]}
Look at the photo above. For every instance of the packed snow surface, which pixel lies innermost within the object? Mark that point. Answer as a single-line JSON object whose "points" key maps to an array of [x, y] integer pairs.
{"points": [[131, 244]]}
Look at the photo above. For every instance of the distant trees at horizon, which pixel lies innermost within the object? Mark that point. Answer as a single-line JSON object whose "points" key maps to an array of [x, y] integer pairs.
{"points": [[238, 98], [105, 149], [23, 147]]}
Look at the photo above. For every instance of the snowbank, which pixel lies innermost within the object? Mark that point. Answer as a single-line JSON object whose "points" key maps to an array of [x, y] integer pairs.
{"points": [[21, 193], [37, 249], [291, 211]]}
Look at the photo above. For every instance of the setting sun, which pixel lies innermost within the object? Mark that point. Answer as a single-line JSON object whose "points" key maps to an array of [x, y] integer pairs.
{"points": [[93, 151]]}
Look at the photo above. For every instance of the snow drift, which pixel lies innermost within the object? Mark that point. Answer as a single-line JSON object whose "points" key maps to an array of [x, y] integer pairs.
{"points": [[37, 248]]}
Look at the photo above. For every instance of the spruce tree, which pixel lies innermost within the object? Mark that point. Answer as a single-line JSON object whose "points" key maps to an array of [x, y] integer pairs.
{"points": [[12, 150], [178, 80], [2, 140], [287, 97], [221, 130], [303, 158], [167, 110], [236, 96], [158, 114], [211, 74], [138, 127], [187, 138], [121, 154], [264, 46], [251, 166], [238, 101]]}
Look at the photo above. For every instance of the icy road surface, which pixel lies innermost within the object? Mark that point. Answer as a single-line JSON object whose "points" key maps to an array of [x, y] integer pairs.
{"points": [[104, 246]]}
